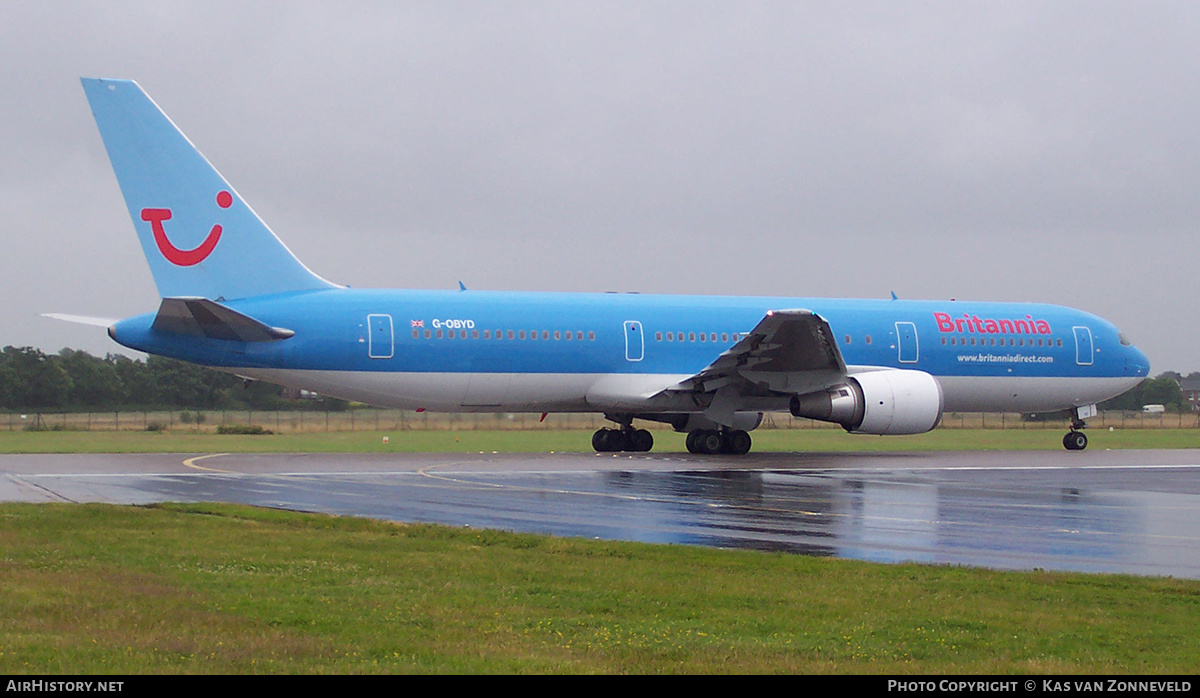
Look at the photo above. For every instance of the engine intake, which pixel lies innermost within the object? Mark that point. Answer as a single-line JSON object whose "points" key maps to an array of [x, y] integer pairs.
{"points": [[893, 401]]}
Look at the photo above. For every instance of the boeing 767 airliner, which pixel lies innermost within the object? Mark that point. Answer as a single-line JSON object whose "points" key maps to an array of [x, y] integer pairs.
{"points": [[235, 298]]}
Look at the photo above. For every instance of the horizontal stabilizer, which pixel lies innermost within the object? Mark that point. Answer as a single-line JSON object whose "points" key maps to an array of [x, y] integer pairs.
{"points": [[200, 317], [81, 319]]}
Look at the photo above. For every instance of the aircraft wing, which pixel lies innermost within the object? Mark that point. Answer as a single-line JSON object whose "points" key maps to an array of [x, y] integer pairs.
{"points": [[787, 352]]}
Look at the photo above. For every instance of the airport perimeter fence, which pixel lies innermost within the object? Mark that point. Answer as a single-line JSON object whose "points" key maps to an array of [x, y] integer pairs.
{"points": [[307, 421]]}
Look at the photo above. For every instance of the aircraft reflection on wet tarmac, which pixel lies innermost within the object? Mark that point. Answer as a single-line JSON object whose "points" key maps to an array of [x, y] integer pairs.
{"points": [[1139, 513]]}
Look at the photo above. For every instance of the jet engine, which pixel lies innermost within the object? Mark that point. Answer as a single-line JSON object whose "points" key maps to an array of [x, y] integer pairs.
{"points": [[891, 401]]}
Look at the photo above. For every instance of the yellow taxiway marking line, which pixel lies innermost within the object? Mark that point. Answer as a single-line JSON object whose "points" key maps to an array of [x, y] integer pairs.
{"points": [[191, 463]]}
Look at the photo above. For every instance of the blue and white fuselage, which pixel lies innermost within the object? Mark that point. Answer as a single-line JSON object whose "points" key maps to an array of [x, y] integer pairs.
{"points": [[489, 351], [235, 298]]}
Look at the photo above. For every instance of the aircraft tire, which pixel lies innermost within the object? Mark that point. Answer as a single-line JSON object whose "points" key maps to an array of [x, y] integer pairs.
{"points": [[1075, 441], [709, 441], [641, 441], [737, 442], [692, 447], [608, 441]]}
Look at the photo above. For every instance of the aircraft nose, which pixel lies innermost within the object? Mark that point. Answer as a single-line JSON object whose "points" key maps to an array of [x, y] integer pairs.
{"points": [[1136, 363]]}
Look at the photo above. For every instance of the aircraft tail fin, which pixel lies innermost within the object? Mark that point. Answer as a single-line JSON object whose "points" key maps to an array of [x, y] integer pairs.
{"points": [[200, 238]]}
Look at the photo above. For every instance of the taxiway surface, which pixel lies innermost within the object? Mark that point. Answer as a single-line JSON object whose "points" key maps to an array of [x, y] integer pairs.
{"points": [[1099, 511]]}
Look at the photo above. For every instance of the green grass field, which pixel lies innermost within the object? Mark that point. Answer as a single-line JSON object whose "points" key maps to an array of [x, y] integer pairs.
{"points": [[197, 588], [544, 441]]}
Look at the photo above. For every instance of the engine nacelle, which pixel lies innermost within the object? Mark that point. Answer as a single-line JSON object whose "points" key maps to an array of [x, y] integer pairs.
{"points": [[892, 401]]}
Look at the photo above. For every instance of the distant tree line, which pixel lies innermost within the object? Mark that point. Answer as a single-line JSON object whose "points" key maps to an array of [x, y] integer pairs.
{"points": [[77, 381], [1161, 390], [73, 380]]}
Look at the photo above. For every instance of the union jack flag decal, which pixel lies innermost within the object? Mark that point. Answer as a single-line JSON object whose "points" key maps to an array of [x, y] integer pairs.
{"points": [[418, 323]]}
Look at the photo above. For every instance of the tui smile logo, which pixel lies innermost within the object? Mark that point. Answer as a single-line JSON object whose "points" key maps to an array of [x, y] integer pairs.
{"points": [[174, 255]]}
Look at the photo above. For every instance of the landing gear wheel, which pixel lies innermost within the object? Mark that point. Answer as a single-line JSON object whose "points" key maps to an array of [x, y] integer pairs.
{"points": [[614, 440], [640, 440], [709, 441], [737, 442], [601, 440], [700, 441], [1075, 441], [609, 441]]}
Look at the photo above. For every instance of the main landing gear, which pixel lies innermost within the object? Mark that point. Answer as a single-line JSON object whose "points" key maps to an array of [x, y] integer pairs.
{"points": [[624, 439], [711, 441], [1075, 440]]}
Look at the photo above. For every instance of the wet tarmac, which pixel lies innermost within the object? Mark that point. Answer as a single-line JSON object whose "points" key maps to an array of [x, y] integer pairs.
{"points": [[1132, 512]]}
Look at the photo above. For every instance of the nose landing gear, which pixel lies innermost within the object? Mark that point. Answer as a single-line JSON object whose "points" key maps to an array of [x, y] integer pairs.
{"points": [[1076, 440]]}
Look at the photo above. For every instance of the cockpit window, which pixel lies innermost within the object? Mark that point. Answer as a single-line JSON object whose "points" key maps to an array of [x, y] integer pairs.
{"points": [[1124, 340]]}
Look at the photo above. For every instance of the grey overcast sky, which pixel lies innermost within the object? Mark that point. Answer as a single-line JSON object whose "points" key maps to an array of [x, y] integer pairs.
{"points": [[1026, 151]]}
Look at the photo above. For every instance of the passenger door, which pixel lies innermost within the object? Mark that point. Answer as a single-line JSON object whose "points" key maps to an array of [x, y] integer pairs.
{"points": [[635, 343], [908, 348], [380, 337]]}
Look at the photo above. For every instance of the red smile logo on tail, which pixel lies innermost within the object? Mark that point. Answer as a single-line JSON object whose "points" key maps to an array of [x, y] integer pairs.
{"points": [[174, 255]]}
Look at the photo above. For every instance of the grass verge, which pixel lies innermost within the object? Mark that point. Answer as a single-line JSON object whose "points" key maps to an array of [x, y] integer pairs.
{"points": [[544, 441], [97, 589]]}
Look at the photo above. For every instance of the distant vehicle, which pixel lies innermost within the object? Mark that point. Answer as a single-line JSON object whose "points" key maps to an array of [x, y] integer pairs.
{"points": [[1153, 409], [235, 298]]}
